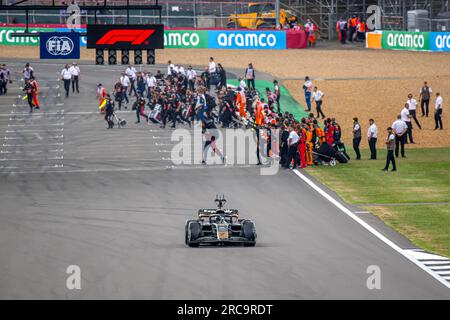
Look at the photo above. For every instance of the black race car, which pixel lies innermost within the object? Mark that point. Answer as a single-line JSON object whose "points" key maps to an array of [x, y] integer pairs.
{"points": [[219, 227]]}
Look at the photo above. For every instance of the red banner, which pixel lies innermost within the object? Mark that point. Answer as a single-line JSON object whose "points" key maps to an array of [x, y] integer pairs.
{"points": [[296, 39]]}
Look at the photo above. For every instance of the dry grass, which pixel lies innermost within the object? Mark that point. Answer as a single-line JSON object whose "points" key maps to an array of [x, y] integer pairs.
{"points": [[381, 100]]}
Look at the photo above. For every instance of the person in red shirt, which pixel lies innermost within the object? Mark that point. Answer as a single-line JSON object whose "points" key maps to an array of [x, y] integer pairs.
{"points": [[302, 144], [329, 132]]}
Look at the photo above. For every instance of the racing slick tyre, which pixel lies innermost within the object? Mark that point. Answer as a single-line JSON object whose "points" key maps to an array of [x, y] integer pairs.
{"points": [[231, 25], [193, 229], [249, 232]]}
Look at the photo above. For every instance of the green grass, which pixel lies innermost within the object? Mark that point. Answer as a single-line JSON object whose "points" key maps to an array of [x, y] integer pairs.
{"points": [[427, 226], [422, 177], [287, 102]]}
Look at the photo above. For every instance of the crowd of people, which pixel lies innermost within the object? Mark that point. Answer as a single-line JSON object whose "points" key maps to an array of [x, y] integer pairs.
{"points": [[183, 95], [352, 29]]}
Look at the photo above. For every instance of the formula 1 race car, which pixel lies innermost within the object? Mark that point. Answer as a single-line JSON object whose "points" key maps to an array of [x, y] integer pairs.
{"points": [[219, 227]]}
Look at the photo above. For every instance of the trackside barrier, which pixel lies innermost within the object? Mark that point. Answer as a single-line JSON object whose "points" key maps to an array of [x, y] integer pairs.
{"points": [[187, 38], [409, 41]]}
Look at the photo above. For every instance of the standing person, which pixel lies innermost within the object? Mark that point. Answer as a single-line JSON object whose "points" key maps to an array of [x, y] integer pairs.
{"points": [[101, 96], [66, 76], [284, 148], [343, 28], [118, 93], [5, 76], [109, 112], [353, 22], [75, 71], [372, 136], [211, 66], [139, 108], [407, 118], [151, 85], [250, 76], [361, 31], [318, 97], [125, 81], [438, 112], [292, 148], [307, 87], [390, 151], [277, 92], [34, 92], [27, 72], [222, 77], [131, 73], [412, 106], [140, 84], [356, 137], [399, 128], [28, 89], [191, 75], [170, 67], [424, 96]]}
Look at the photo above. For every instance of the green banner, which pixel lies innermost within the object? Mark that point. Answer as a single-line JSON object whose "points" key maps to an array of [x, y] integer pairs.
{"points": [[6, 37], [185, 39], [402, 40]]}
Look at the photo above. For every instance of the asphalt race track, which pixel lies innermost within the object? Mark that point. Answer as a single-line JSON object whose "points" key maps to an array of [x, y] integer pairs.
{"points": [[109, 201]]}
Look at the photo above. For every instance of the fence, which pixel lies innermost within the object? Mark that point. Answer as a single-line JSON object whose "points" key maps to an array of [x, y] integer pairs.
{"points": [[194, 14]]}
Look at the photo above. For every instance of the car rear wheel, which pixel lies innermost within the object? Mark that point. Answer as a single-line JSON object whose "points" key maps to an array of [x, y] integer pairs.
{"points": [[232, 25]]}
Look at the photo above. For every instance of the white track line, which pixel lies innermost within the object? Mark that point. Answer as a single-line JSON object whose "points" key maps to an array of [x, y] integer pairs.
{"points": [[370, 228]]}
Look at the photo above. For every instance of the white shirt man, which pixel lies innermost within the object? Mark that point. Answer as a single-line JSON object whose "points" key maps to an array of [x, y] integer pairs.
{"points": [[308, 85], [212, 66], [125, 81], [181, 70], [412, 103], [318, 95], [438, 103], [170, 67], [191, 74], [399, 127], [131, 72], [27, 72], [151, 81], [75, 70], [405, 115], [66, 74], [438, 112], [293, 138], [372, 132]]}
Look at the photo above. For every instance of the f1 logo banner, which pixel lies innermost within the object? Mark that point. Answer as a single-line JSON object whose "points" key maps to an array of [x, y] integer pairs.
{"points": [[60, 45], [130, 37]]}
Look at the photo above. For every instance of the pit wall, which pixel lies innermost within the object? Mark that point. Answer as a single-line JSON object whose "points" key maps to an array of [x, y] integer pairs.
{"points": [[186, 38], [409, 41]]}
